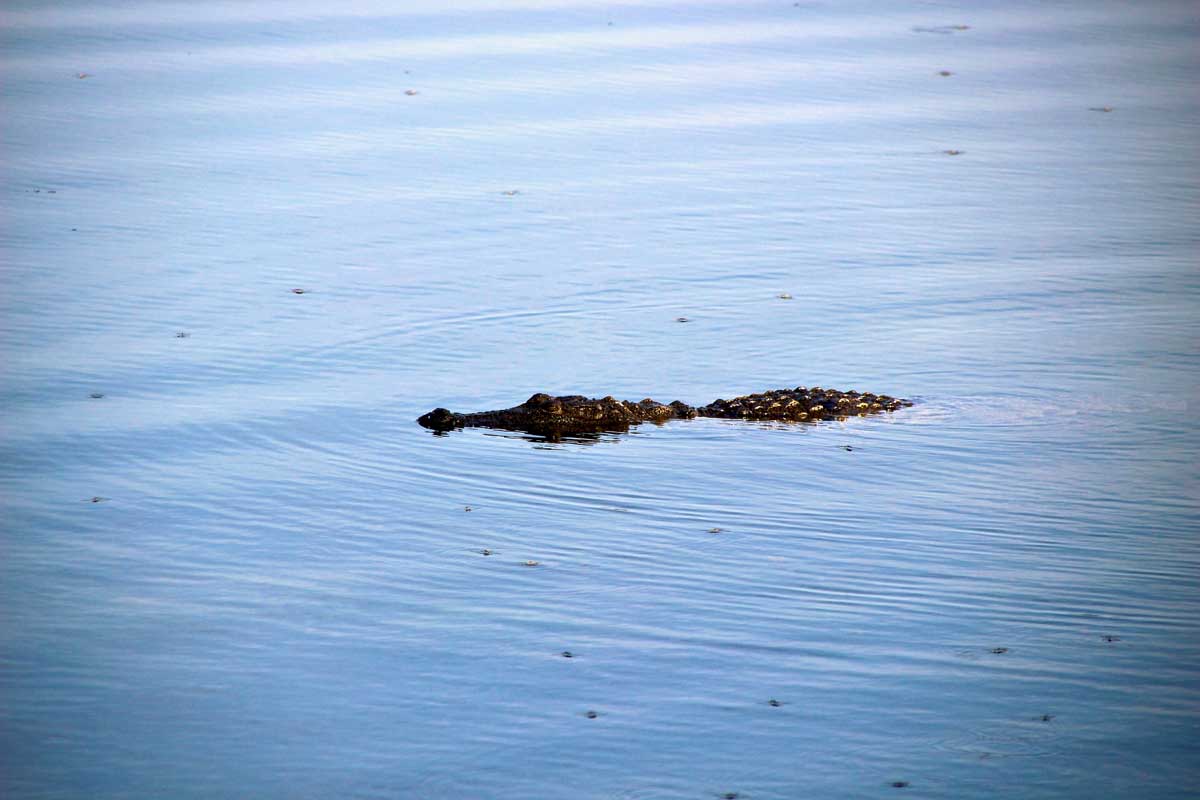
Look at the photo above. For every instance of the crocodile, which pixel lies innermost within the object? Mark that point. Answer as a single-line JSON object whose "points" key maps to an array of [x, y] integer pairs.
{"points": [[545, 415]]}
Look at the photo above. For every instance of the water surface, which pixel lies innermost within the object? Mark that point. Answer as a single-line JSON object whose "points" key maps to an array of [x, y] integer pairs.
{"points": [[281, 591]]}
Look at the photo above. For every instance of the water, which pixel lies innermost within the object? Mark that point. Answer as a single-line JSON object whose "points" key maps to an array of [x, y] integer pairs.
{"points": [[281, 592]]}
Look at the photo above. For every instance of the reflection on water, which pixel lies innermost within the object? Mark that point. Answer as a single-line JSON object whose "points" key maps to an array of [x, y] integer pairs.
{"points": [[234, 563]]}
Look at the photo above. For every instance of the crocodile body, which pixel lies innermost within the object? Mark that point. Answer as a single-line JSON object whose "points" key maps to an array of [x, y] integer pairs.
{"points": [[545, 415]]}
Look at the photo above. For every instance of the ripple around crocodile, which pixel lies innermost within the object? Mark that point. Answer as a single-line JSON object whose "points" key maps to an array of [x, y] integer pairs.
{"points": [[549, 416]]}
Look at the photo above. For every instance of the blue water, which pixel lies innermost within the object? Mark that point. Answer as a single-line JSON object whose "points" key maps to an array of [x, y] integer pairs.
{"points": [[280, 591]]}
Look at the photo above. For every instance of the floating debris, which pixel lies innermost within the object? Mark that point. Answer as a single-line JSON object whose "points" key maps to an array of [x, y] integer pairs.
{"points": [[299, 291], [1108, 637], [1045, 717], [784, 296], [567, 654], [953, 152], [715, 530], [486, 552], [999, 651], [848, 448], [944, 29], [591, 714], [96, 499], [96, 395], [467, 508], [531, 563], [411, 92], [182, 335], [773, 703], [899, 784], [682, 319]]}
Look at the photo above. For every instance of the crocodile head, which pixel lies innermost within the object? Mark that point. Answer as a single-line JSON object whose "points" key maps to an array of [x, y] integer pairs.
{"points": [[440, 419]]}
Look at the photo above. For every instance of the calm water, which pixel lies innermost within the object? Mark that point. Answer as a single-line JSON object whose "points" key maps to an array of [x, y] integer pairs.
{"points": [[281, 593]]}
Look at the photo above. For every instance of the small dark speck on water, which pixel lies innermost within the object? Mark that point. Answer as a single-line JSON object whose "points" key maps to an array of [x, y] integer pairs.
{"points": [[943, 29], [511, 192], [567, 654], [899, 784], [299, 291], [953, 152], [945, 73], [96, 499], [96, 395], [531, 563], [682, 319], [847, 448], [182, 334], [715, 530], [784, 296], [773, 703], [1108, 637], [998, 650], [591, 715], [411, 92], [485, 552], [1104, 109], [467, 508], [1045, 717], [82, 75]]}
